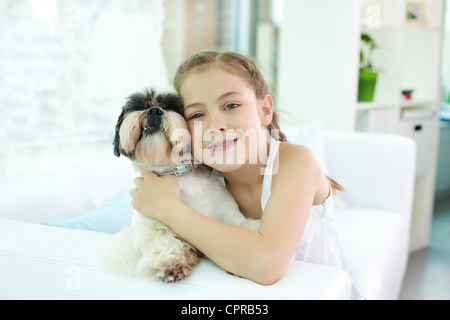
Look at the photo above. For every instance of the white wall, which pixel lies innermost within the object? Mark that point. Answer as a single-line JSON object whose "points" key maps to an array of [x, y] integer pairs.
{"points": [[317, 63]]}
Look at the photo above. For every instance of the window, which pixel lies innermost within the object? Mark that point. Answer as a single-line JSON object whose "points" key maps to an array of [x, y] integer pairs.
{"points": [[65, 69], [249, 27]]}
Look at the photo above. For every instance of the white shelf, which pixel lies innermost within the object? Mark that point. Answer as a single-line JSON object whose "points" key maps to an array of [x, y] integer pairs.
{"points": [[418, 103], [398, 25], [374, 105], [418, 26], [380, 25]]}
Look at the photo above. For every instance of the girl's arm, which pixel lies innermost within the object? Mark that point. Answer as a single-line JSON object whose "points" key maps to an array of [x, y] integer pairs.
{"points": [[260, 256]]}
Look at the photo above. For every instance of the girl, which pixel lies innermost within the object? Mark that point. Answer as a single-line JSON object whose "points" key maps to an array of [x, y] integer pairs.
{"points": [[229, 110]]}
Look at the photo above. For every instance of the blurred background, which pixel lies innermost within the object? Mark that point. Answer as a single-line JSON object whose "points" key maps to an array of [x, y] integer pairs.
{"points": [[66, 66]]}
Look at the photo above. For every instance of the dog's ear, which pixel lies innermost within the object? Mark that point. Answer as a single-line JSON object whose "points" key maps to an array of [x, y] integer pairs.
{"points": [[116, 141]]}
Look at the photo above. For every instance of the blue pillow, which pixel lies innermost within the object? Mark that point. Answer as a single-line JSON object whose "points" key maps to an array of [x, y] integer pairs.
{"points": [[112, 217]]}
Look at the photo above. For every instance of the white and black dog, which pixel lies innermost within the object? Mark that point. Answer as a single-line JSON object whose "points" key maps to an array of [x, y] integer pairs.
{"points": [[152, 132]]}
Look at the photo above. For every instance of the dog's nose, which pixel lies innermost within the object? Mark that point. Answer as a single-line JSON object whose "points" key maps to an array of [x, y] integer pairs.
{"points": [[155, 111], [154, 115], [154, 118]]}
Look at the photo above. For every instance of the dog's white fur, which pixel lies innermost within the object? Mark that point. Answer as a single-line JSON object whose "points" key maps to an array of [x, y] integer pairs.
{"points": [[148, 249]]}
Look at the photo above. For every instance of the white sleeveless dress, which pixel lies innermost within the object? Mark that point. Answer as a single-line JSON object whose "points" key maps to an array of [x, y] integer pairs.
{"points": [[320, 241]]}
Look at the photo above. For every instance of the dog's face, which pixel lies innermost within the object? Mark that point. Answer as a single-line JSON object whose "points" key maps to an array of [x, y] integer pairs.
{"points": [[151, 130]]}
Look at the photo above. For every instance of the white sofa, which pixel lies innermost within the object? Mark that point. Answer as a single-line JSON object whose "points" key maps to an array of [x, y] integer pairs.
{"points": [[46, 262]]}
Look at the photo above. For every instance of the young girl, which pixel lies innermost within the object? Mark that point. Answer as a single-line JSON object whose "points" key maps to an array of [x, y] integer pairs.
{"points": [[229, 110]]}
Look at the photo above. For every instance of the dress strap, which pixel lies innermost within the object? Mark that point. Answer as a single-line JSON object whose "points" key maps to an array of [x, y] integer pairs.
{"points": [[268, 172]]}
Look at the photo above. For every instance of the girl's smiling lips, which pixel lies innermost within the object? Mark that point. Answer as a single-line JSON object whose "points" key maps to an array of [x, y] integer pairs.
{"points": [[223, 145]]}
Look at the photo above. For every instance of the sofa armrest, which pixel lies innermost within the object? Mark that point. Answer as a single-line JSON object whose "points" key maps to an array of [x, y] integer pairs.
{"points": [[377, 170], [63, 267], [65, 193]]}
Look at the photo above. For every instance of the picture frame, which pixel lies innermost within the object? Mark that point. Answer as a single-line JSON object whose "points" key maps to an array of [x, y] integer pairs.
{"points": [[415, 13]]}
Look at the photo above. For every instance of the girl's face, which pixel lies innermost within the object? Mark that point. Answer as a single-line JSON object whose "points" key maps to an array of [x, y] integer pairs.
{"points": [[224, 118]]}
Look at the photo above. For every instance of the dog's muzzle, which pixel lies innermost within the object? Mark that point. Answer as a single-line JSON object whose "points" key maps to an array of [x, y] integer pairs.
{"points": [[155, 121]]}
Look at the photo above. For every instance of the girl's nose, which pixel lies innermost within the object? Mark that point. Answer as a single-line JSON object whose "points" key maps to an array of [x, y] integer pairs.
{"points": [[217, 124]]}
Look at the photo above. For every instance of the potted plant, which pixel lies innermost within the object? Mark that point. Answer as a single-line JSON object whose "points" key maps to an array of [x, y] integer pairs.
{"points": [[367, 73]]}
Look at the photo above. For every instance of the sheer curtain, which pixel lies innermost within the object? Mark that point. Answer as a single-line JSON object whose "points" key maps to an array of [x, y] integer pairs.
{"points": [[66, 67]]}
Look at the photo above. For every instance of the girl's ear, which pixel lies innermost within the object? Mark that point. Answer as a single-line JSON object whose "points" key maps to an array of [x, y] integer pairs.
{"points": [[266, 110]]}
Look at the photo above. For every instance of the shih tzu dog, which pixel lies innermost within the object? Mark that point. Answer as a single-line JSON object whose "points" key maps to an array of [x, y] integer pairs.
{"points": [[152, 132]]}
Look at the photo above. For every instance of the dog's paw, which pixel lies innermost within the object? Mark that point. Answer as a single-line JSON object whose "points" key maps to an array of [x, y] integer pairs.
{"points": [[174, 268], [173, 263], [148, 251], [176, 272]]}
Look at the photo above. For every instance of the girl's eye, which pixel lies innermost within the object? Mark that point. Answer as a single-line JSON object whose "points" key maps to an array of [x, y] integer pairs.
{"points": [[231, 106], [195, 116]]}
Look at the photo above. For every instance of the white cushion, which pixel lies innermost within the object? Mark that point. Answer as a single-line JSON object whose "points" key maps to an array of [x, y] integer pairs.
{"points": [[111, 217], [69, 193], [310, 136], [370, 238]]}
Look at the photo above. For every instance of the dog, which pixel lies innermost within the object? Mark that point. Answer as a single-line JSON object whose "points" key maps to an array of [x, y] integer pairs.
{"points": [[152, 132]]}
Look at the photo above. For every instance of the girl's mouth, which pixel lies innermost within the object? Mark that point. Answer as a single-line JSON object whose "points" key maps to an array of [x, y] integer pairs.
{"points": [[223, 145]]}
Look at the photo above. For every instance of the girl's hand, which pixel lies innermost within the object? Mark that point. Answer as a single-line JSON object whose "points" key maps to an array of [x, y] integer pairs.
{"points": [[154, 196]]}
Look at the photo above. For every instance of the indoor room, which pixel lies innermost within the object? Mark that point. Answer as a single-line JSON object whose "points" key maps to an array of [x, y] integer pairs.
{"points": [[362, 86]]}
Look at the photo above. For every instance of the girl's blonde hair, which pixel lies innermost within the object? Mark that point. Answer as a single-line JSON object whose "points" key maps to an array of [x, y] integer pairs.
{"points": [[243, 67], [234, 63]]}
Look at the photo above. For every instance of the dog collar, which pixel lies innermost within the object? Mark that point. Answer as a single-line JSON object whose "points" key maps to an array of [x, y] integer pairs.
{"points": [[179, 169]]}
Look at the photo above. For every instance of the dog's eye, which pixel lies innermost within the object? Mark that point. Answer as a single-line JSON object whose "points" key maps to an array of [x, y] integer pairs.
{"points": [[195, 116]]}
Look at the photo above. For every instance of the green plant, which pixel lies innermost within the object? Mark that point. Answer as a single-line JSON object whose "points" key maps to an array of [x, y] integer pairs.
{"points": [[367, 73], [365, 55]]}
